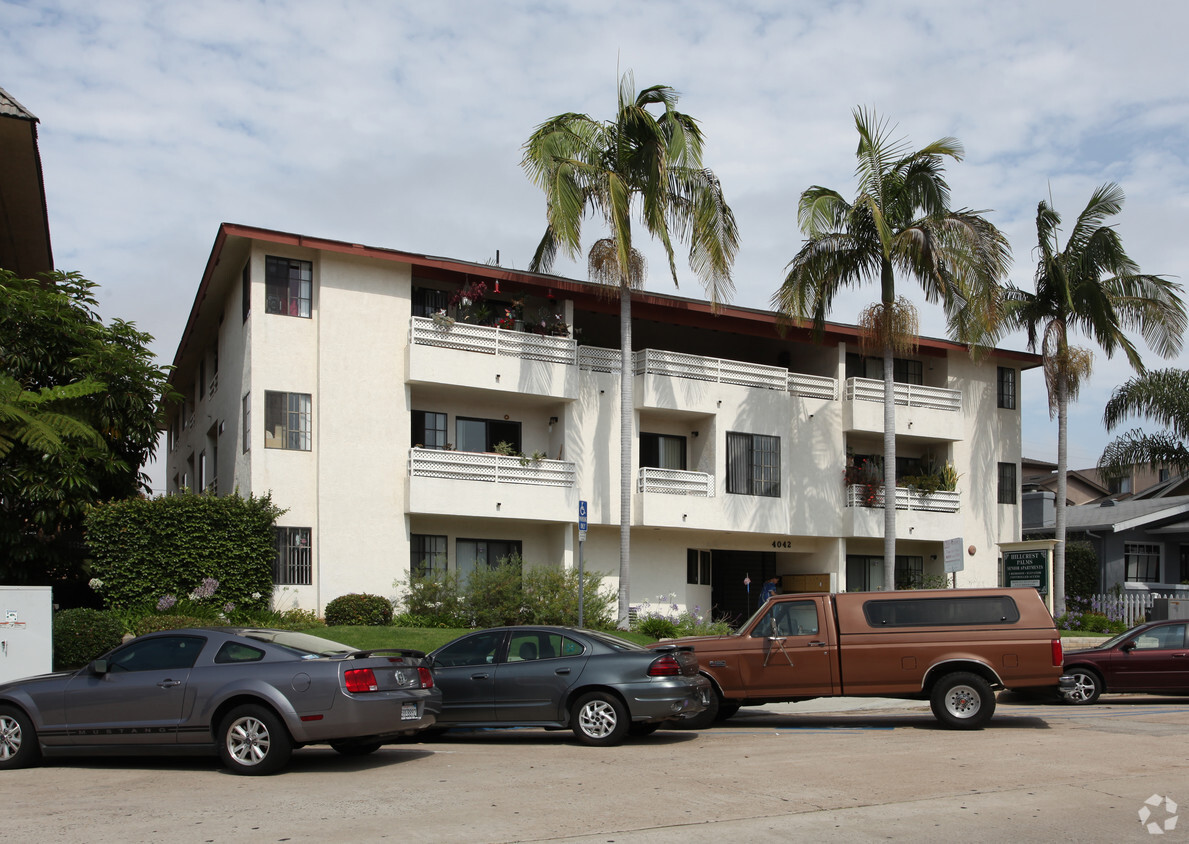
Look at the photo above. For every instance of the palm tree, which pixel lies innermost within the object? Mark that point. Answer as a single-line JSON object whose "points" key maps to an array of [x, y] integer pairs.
{"points": [[899, 222], [642, 164], [1093, 286], [1163, 397]]}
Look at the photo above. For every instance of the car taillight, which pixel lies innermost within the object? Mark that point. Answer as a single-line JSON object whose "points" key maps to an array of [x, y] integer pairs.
{"points": [[1058, 653], [360, 680], [426, 677], [665, 666]]}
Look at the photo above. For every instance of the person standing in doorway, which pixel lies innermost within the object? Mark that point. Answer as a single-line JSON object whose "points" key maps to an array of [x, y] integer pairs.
{"points": [[771, 587]]}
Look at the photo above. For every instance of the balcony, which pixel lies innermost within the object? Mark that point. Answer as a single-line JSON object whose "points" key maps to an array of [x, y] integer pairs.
{"points": [[675, 482], [488, 340], [465, 483], [933, 413], [489, 468], [942, 501], [932, 517]]}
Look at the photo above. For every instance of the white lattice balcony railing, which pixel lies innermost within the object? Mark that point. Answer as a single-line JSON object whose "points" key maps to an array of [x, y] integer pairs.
{"points": [[942, 501], [699, 368], [489, 468], [912, 395], [596, 359], [487, 339], [813, 386], [675, 482]]}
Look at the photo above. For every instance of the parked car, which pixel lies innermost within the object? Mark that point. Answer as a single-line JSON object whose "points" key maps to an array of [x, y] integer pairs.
{"points": [[1150, 658], [252, 695], [600, 686]]}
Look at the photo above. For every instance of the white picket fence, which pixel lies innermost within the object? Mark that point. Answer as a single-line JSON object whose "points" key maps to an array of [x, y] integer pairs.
{"points": [[1130, 607]]}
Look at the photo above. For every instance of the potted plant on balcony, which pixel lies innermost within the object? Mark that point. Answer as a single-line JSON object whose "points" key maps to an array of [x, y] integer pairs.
{"points": [[868, 478]]}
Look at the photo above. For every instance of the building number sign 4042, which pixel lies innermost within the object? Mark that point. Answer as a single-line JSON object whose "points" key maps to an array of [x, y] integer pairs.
{"points": [[782, 543]]}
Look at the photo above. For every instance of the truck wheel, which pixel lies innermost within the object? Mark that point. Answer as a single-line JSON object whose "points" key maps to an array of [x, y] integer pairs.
{"points": [[1087, 686], [18, 739], [704, 719], [962, 701], [726, 709]]}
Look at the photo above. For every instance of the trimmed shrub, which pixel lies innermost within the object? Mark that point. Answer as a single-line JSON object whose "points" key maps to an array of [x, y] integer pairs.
{"points": [[657, 627], [81, 635], [153, 623], [359, 608], [144, 550]]}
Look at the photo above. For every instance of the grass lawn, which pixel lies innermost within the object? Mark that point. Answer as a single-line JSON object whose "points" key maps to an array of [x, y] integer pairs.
{"points": [[418, 638]]}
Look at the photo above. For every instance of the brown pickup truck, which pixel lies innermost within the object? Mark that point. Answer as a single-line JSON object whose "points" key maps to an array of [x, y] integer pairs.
{"points": [[952, 647]]}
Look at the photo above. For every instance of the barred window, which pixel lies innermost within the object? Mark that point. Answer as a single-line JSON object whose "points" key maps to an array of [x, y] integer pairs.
{"points": [[1007, 483], [753, 464], [1007, 387], [293, 565], [1142, 562]]}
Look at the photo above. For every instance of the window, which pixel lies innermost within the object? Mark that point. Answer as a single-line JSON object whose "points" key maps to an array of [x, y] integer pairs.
{"points": [[428, 301], [662, 451], [477, 649], [864, 572], [540, 644], [166, 653], [1141, 561], [1119, 486], [427, 555], [429, 429], [788, 618], [202, 471], [486, 553], [904, 371], [753, 464], [293, 566], [238, 652], [1170, 637], [1007, 388], [908, 371], [288, 286], [1184, 578], [930, 612], [485, 434], [247, 426], [697, 567], [287, 420], [246, 290], [1007, 483]]}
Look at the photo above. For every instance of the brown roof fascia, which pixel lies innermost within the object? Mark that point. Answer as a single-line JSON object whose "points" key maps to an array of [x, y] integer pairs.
{"points": [[646, 305]]}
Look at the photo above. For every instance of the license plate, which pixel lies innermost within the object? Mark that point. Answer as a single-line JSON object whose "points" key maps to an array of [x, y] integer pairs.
{"points": [[408, 712]]}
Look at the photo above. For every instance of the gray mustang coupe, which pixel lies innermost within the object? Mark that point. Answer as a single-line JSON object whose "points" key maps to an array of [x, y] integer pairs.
{"points": [[251, 694]]}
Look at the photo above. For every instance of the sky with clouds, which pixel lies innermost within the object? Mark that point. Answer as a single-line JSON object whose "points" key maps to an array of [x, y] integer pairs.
{"points": [[399, 124]]}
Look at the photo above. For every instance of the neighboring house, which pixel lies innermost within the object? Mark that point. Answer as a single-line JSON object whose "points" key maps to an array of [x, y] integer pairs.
{"points": [[1142, 543], [1081, 485], [24, 222], [347, 381]]}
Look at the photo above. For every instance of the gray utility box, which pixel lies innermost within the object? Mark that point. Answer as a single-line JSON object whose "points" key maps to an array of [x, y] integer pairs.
{"points": [[26, 631], [1164, 609]]}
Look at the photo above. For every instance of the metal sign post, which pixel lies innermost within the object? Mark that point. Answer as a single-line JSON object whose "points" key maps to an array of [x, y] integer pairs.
{"points": [[581, 540]]}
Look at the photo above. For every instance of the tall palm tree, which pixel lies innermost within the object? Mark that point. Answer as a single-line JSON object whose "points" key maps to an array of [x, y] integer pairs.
{"points": [[1090, 286], [899, 222], [1163, 397], [640, 164]]}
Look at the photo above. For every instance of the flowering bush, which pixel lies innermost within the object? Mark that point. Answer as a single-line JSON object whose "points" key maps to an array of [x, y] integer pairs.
{"points": [[865, 475], [669, 621]]}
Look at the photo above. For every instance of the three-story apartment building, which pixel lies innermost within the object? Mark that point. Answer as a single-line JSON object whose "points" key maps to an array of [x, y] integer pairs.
{"points": [[417, 414]]}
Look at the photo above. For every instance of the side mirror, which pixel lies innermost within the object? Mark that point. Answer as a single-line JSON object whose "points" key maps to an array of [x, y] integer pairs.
{"points": [[99, 666], [1127, 647]]}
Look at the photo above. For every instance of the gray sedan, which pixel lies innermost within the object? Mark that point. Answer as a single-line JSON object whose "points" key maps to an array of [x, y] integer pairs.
{"points": [[252, 695], [600, 686]]}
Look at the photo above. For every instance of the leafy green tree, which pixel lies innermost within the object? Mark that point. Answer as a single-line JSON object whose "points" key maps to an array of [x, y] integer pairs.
{"points": [[1091, 286], [79, 417], [900, 222], [1161, 396], [644, 166]]}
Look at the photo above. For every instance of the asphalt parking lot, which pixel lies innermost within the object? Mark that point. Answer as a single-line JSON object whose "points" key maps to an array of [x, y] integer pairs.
{"points": [[834, 770]]}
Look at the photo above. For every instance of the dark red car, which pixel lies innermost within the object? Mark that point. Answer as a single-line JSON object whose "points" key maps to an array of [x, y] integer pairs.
{"points": [[1151, 659]]}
